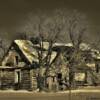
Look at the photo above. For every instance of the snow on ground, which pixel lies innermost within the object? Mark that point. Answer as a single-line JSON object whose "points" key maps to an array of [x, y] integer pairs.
{"points": [[80, 91], [88, 89], [10, 90]]}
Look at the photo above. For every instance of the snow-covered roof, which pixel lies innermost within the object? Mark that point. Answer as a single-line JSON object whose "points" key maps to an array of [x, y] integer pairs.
{"points": [[84, 46], [30, 52], [95, 53], [27, 49], [45, 45], [63, 44]]}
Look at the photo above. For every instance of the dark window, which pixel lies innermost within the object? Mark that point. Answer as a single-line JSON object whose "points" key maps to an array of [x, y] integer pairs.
{"points": [[97, 68], [59, 76], [17, 60], [9, 64]]}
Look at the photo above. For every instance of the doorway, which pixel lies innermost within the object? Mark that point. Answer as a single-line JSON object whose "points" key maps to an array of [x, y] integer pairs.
{"points": [[17, 79]]}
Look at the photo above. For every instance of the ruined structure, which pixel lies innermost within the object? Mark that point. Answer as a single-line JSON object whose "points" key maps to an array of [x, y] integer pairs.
{"points": [[19, 69]]}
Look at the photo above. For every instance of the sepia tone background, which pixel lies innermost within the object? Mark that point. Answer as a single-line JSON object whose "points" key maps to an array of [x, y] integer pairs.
{"points": [[14, 13]]}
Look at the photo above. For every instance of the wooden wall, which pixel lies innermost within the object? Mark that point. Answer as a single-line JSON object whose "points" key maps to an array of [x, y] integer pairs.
{"points": [[25, 80], [7, 80]]}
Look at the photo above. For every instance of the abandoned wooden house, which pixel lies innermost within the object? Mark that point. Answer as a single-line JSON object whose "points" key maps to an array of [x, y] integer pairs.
{"points": [[20, 65], [87, 73], [19, 68], [15, 71]]}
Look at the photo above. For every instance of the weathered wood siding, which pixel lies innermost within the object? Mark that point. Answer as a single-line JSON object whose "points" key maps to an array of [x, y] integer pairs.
{"points": [[33, 79], [6, 79], [28, 79], [25, 79]]}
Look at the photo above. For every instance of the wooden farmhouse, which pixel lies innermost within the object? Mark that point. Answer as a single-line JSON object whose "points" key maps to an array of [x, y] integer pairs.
{"points": [[16, 72], [19, 69]]}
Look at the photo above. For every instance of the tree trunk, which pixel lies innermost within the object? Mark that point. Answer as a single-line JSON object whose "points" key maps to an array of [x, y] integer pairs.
{"points": [[40, 80], [72, 83]]}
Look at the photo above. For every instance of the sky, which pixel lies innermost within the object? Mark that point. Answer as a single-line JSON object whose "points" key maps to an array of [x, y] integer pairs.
{"points": [[13, 13]]}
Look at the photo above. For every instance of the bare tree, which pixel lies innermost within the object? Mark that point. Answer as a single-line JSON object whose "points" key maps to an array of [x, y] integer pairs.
{"points": [[48, 30], [76, 31], [3, 47], [21, 35], [76, 26]]}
